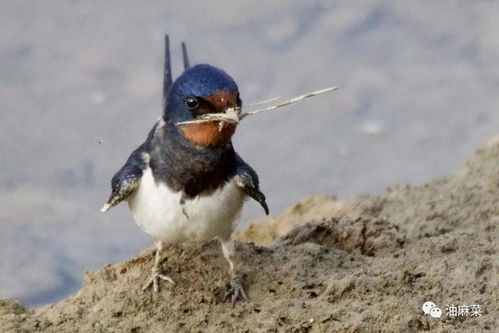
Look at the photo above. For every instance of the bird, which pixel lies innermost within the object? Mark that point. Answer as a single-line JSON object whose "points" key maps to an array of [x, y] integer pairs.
{"points": [[186, 182]]}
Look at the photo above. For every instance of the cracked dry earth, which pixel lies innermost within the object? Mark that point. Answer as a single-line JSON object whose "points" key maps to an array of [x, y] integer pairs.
{"points": [[363, 265]]}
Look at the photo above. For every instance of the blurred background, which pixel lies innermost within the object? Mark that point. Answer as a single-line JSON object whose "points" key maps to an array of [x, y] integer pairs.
{"points": [[80, 87]]}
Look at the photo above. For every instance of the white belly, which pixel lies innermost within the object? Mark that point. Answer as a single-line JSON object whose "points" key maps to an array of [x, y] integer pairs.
{"points": [[157, 211]]}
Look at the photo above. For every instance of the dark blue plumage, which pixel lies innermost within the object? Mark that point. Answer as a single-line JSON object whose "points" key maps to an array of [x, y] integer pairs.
{"points": [[186, 182], [197, 81]]}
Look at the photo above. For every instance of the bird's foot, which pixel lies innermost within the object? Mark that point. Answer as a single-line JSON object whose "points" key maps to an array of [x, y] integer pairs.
{"points": [[154, 281], [236, 290]]}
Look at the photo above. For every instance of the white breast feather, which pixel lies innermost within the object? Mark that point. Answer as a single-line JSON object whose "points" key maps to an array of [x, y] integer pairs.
{"points": [[157, 211]]}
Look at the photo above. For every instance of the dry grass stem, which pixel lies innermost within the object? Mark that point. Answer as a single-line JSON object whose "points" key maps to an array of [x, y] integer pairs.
{"points": [[235, 115], [266, 101]]}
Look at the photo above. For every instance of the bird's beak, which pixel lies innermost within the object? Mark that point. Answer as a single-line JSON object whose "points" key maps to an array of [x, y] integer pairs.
{"points": [[231, 115]]}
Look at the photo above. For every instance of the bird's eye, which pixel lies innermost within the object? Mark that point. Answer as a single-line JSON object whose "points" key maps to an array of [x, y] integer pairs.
{"points": [[191, 102]]}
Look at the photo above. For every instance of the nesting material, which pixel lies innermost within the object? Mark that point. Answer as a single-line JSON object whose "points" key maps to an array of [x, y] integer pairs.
{"points": [[236, 114]]}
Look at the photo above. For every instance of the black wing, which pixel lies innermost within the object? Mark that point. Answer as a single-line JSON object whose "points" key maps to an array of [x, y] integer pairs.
{"points": [[167, 71], [185, 56], [126, 180], [247, 181]]}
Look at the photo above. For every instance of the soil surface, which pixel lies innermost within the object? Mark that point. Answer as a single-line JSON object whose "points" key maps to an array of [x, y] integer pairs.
{"points": [[366, 265]]}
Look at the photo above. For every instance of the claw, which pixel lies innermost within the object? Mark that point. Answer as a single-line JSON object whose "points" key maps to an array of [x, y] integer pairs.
{"points": [[237, 292], [154, 281]]}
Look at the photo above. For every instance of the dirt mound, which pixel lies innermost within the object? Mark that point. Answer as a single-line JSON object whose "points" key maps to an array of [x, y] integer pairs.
{"points": [[363, 265], [362, 235]]}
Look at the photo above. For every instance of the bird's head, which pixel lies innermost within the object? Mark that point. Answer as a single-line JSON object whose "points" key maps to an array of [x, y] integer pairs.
{"points": [[199, 90]]}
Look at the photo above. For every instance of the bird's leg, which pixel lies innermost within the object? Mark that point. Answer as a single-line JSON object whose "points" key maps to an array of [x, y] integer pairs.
{"points": [[155, 275], [236, 289]]}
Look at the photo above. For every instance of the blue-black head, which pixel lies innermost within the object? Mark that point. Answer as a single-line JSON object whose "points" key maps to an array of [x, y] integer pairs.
{"points": [[199, 90]]}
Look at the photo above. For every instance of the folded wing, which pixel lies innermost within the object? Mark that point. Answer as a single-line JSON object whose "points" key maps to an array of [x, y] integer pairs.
{"points": [[246, 180], [127, 179]]}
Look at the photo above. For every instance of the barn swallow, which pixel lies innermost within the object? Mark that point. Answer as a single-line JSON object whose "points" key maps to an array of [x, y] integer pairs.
{"points": [[186, 182]]}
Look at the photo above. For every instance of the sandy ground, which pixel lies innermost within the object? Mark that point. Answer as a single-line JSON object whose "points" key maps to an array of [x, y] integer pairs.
{"points": [[366, 265], [80, 88]]}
